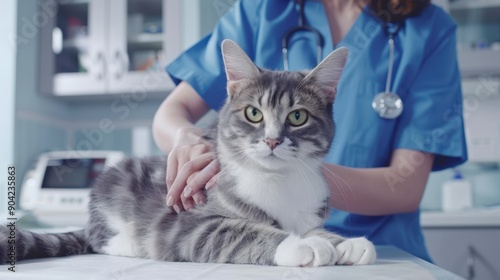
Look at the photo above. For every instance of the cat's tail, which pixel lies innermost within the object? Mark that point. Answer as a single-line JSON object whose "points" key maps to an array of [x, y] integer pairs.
{"points": [[16, 245]]}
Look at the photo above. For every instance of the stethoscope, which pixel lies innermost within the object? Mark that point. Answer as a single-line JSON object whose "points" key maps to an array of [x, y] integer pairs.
{"points": [[387, 104]]}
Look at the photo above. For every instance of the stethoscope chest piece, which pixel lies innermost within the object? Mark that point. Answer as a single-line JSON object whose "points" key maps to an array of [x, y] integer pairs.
{"points": [[388, 105]]}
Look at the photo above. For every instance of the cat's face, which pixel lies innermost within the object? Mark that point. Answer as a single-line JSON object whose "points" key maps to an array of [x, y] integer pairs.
{"points": [[276, 119], [272, 121]]}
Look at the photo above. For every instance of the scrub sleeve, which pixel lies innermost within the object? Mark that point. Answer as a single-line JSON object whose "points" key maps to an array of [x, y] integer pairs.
{"points": [[433, 120]]}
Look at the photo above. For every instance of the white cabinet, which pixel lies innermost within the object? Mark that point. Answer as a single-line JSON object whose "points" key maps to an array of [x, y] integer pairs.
{"points": [[478, 36], [466, 242], [473, 253], [96, 47]]}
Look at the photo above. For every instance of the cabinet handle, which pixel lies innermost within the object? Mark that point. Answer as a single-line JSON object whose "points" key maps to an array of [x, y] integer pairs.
{"points": [[100, 61], [474, 257], [470, 263], [122, 61]]}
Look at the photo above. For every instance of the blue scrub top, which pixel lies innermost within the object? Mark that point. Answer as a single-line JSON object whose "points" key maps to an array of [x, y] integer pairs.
{"points": [[425, 76]]}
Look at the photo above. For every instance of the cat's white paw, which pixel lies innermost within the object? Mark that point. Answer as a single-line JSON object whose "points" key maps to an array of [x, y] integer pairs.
{"points": [[356, 251], [309, 251]]}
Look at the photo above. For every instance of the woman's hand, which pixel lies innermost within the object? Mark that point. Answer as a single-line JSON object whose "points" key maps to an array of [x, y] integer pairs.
{"points": [[191, 166], [191, 159]]}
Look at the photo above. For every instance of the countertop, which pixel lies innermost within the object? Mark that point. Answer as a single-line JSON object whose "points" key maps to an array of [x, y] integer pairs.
{"points": [[391, 263], [481, 217]]}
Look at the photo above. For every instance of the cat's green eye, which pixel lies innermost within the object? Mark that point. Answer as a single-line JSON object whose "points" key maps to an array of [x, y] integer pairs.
{"points": [[253, 114], [298, 117]]}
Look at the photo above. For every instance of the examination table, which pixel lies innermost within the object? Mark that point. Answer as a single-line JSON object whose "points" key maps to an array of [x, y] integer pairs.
{"points": [[392, 263]]}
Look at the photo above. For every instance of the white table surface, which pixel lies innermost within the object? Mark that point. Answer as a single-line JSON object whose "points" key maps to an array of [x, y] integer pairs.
{"points": [[392, 263], [481, 217]]}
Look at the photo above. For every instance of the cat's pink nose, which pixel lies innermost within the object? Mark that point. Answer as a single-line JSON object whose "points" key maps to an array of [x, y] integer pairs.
{"points": [[272, 143]]}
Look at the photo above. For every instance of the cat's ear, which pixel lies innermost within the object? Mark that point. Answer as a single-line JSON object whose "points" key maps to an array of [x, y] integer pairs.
{"points": [[327, 73], [238, 65]]}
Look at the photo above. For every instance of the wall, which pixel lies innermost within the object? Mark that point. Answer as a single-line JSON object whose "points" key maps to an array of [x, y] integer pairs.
{"points": [[7, 80], [40, 121], [200, 16]]}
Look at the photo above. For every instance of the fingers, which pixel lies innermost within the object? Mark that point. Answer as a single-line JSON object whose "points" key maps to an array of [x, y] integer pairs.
{"points": [[191, 177], [203, 177], [199, 198], [179, 184], [187, 203], [180, 156], [211, 183], [172, 166], [193, 192]]}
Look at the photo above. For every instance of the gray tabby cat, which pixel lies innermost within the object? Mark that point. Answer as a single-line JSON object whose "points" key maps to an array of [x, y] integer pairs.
{"points": [[270, 200]]}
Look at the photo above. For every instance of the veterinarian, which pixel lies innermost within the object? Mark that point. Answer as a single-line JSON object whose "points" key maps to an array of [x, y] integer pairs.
{"points": [[381, 157]]}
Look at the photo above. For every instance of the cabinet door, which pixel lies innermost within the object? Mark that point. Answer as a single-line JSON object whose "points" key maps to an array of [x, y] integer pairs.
{"points": [[73, 47], [473, 253], [143, 39], [478, 36]]}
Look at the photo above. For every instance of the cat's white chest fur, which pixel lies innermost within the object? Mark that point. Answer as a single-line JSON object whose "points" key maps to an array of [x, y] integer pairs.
{"points": [[292, 198]]}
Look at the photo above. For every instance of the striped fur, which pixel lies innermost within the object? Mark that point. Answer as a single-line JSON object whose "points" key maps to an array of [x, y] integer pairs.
{"points": [[33, 245], [266, 206]]}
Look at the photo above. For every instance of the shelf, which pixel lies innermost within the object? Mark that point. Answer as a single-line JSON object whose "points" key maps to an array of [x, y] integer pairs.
{"points": [[465, 11], [76, 44], [146, 41], [146, 38], [73, 2], [145, 7], [474, 4], [479, 62], [466, 218]]}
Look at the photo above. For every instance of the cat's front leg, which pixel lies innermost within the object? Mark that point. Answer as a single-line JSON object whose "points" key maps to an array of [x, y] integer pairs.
{"points": [[351, 251], [214, 239]]}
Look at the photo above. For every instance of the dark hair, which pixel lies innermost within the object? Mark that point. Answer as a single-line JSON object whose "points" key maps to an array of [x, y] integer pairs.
{"points": [[397, 10]]}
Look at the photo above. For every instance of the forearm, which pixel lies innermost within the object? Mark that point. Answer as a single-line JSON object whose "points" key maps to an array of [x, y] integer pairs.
{"points": [[397, 188], [178, 111], [165, 131]]}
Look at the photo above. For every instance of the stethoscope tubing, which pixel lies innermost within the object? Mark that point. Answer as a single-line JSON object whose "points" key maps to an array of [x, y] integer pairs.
{"points": [[301, 27], [388, 81]]}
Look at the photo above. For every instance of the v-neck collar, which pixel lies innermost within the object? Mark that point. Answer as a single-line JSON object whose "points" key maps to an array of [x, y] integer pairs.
{"points": [[365, 26]]}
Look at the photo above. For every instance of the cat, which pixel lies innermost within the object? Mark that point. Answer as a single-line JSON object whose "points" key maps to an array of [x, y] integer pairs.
{"points": [[270, 200]]}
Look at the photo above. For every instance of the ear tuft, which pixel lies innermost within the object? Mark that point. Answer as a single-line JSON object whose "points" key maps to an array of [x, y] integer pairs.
{"points": [[237, 64], [327, 73]]}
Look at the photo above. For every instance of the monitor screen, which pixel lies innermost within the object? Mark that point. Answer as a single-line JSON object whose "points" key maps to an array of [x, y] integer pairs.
{"points": [[72, 173]]}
